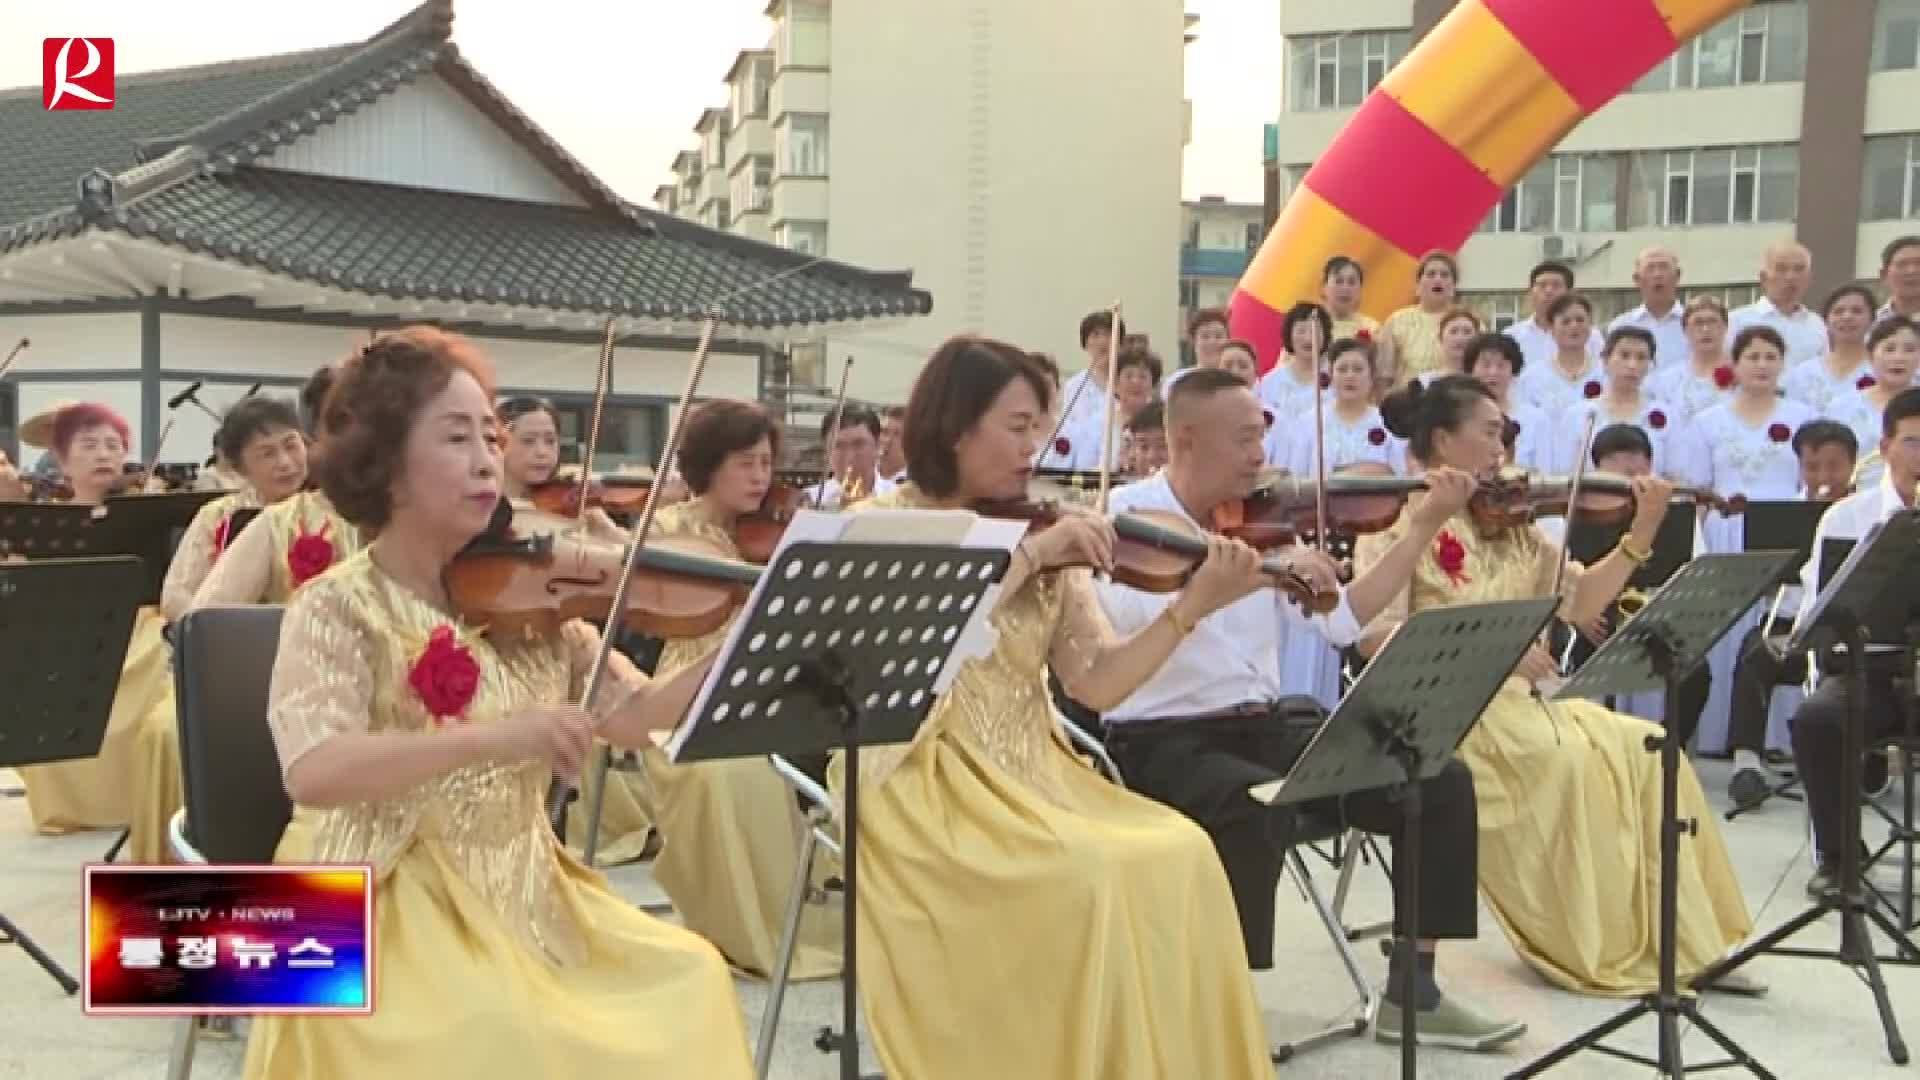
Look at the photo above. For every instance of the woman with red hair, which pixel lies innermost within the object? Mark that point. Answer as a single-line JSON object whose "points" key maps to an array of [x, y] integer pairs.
{"points": [[89, 442]]}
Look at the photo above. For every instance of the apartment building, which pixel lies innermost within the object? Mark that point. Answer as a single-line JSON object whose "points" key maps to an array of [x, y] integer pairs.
{"points": [[1217, 240], [1023, 159], [1789, 118]]}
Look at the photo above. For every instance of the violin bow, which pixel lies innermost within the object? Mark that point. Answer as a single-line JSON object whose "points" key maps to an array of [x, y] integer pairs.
{"points": [[602, 385], [1319, 434], [833, 436], [1106, 410], [13, 354], [1573, 498]]}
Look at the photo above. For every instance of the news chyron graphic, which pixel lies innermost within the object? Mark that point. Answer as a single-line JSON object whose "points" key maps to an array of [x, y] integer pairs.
{"points": [[209, 940], [76, 73]]}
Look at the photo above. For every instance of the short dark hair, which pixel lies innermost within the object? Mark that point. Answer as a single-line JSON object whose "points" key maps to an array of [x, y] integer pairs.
{"points": [[718, 428], [1621, 439], [1046, 363], [1097, 321], [1415, 411], [1815, 434], [1442, 256], [1346, 345], [1894, 247], [1852, 288], [850, 417], [1201, 383], [1754, 333], [1567, 301], [376, 396], [313, 397], [1300, 313], [510, 409], [1205, 317], [1630, 333], [1905, 405], [1244, 346], [1339, 263], [959, 383], [1494, 342], [250, 418], [1151, 417], [1138, 356], [1551, 266], [1888, 327]]}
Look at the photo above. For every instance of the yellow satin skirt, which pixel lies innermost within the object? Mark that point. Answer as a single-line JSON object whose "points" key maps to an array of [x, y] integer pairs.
{"points": [[1004, 934], [1569, 806], [458, 994], [626, 820], [157, 786], [96, 792], [730, 846]]}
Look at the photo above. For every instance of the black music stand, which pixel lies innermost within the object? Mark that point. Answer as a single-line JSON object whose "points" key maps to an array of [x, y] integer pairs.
{"points": [[1853, 608], [64, 628], [1589, 542], [842, 645], [1780, 525], [1658, 648], [1400, 724], [48, 530], [149, 526]]}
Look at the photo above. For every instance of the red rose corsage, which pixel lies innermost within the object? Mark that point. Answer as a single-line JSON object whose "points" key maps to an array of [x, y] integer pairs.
{"points": [[1326, 380], [310, 554], [1723, 376], [1592, 389], [1451, 554], [1657, 420], [222, 535], [1062, 447], [1377, 437], [445, 675], [1865, 382], [1779, 433], [1267, 415], [1363, 335]]}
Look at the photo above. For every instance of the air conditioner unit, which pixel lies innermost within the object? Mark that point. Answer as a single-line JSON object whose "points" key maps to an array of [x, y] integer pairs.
{"points": [[1559, 247]]}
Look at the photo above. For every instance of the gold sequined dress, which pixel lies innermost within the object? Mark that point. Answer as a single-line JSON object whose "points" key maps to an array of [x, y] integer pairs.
{"points": [[731, 829], [1569, 800], [1019, 915], [499, 953]]}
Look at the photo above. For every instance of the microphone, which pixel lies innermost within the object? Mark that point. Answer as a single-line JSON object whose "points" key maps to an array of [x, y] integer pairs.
{"points": [[251, 390], [184, 396]]}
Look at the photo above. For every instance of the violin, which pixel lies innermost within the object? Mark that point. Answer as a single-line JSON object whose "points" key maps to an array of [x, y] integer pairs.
{"points": [[758, 534], [1605, 499], [615, 493], [1157, 552], [532, 585]]}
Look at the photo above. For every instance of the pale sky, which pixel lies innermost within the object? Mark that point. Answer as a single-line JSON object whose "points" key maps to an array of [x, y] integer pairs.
{"points": [[619, 83]]}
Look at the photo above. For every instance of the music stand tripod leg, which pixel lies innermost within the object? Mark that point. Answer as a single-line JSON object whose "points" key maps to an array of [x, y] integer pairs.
{"points": [[829, 678], [10, 934], [1390, 731]]}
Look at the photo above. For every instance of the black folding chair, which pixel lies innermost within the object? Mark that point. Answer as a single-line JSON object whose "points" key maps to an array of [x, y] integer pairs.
{"points": [[236, 805]]}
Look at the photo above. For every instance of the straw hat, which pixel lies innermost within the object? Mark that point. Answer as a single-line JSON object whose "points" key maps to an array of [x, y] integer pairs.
{"points": [[38, 428]]}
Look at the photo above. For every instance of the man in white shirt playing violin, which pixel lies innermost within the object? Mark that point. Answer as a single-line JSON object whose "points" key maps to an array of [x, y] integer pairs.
{"points": [[1817, 723], [1210, 723]]}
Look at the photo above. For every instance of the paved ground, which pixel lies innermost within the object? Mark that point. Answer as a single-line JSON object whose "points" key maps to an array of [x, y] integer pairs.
{"points": [[1818, 1020]]}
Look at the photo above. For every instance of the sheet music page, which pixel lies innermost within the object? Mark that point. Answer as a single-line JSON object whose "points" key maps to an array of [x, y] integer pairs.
{"points": [[953, 528]]}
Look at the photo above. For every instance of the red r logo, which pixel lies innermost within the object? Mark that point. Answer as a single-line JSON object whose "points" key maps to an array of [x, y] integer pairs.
{"points": [[76, 73]]}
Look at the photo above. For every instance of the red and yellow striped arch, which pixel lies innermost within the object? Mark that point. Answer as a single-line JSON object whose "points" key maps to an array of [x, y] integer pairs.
{"points": [[1459, 121]]}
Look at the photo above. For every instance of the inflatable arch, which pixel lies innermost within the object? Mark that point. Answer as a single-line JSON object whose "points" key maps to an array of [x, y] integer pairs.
{"points": [[1430, 152]]}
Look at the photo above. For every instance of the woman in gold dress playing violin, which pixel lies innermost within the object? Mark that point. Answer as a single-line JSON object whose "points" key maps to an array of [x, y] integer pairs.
{"points": [[416, 744], [1071, 929], [731, 828], [1569, 796]]}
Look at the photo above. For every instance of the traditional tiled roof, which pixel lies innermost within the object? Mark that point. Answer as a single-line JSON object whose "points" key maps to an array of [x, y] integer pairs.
{"points": [[174, 161]]}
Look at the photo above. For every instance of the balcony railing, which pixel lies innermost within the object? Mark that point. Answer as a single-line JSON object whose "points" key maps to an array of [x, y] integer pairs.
{"points": [[1214, 262]]}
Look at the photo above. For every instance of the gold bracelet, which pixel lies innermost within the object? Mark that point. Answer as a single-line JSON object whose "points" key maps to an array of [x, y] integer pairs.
{"points": [[1639, 558], [1173, 617]]}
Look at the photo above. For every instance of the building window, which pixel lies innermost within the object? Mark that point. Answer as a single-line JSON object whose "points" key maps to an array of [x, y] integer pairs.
{"points": [[1255, 233], [1738, 185], [800, 145], [1338, 71], [1564, 193], [804, 38], [1896, 35], [1892, 178], [1499, 309], [762, 182], [1189, 294], [805, 237], [1761, 44]]}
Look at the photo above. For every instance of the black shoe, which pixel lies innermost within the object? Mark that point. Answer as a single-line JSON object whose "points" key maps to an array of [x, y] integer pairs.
{"points": [[1875, 778], [1823, 882], [1748, 788]]}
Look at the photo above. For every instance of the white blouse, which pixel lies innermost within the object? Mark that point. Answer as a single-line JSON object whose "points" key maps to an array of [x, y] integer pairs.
{"points": [[1811, 384], [1684, 394], [1545, 388], [1653, 417]]}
